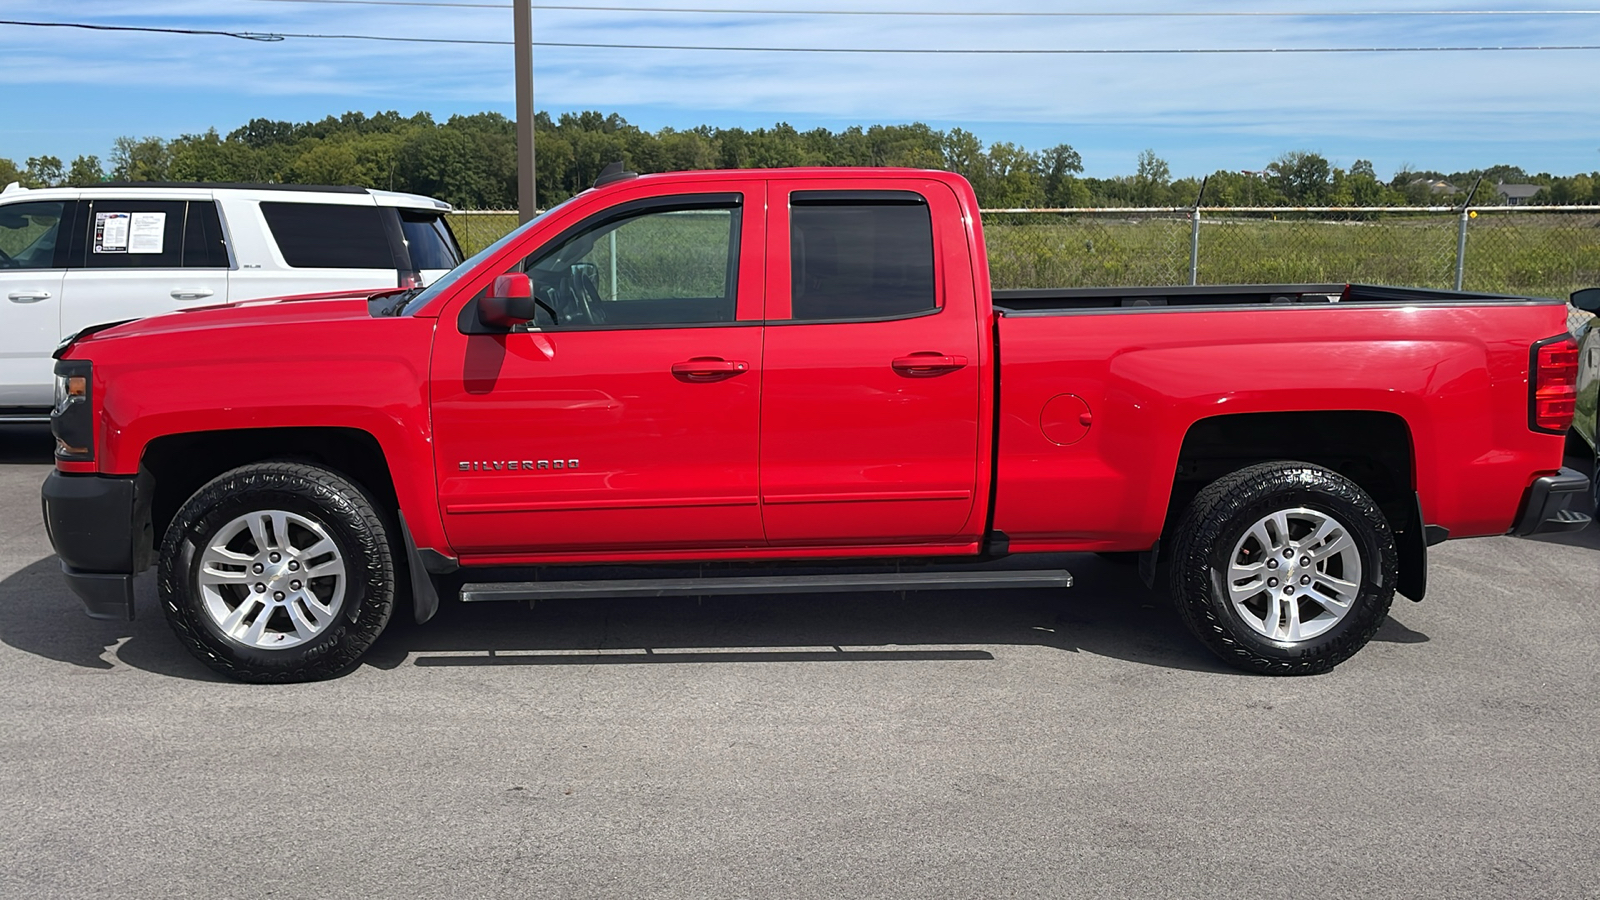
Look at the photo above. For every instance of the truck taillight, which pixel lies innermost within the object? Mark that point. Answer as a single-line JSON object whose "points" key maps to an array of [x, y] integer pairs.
{"points": [[1553, 376]]}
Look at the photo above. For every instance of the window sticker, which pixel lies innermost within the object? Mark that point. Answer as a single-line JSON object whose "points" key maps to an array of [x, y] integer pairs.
{"points": [[147, 233], [111, 232]]}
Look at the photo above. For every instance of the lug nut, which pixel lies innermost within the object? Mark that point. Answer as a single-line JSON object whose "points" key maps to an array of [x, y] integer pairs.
{"points": [[278, 595], [1288, 554], [1271, 564], [1305, 579], [295, 585], [275, 557], [1272, 582], [1289, 589], [294, 566], [261, 588], [1305, 560], [257, 568]]}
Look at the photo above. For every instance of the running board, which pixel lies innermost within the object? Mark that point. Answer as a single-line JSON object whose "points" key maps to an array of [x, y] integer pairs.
{"points": [[796, 584]]}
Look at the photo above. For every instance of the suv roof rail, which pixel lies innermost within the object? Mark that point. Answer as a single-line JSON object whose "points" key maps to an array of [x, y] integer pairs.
{"points": [[233, 185]]}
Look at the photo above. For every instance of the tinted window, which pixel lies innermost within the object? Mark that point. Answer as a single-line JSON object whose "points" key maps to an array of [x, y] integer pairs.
{"points": [[329, 236], [669, 267], [134, 234], [203, 244], [430, 243], [860, 256], [28, 233]]}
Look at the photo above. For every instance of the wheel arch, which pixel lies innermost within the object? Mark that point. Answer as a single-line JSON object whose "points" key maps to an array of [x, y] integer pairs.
{"points": [[179, 464], [1373, 448]]}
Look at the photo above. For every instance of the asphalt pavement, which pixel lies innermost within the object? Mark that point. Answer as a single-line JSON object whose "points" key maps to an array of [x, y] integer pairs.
{"points": [[1056, 744]]}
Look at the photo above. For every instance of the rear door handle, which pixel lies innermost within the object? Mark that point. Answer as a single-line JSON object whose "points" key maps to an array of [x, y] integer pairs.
{"points": [[28, 296], [709, 368], [191, 293], [918, 364]]}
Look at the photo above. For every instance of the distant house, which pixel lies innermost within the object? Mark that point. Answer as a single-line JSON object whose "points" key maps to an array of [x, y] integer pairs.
{"points": [[1517, 194]]}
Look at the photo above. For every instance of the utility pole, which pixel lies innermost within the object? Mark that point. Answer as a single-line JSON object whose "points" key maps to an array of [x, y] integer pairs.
{"points": [[522, 38]]}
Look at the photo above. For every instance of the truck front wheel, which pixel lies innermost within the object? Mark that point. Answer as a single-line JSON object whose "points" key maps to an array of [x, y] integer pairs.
{"points": [[277, 572], [1283, 568]]}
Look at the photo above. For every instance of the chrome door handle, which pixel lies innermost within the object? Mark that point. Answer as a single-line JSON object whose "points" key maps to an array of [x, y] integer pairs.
{"points": [[28, 296], [191, 293]]}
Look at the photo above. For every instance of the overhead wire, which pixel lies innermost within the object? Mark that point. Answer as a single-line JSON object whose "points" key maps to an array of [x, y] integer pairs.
{"points": [[1071, 14], [963, 51]]}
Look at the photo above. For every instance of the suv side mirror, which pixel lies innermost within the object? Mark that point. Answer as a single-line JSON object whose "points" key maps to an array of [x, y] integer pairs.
{"points": [[509, 302], [1587, 300]]}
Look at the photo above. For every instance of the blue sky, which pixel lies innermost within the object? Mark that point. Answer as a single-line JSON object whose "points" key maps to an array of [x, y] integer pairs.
{"points": [[68, 92]]}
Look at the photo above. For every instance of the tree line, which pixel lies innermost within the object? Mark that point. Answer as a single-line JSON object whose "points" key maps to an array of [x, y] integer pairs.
{"points": [[470, 161]]}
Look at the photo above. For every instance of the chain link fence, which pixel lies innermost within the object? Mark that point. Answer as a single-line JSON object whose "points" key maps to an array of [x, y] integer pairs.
{"points": [[1535, 251]]}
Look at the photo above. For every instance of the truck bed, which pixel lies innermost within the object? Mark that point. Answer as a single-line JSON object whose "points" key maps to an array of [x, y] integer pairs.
{"points": [[1057, 301]]}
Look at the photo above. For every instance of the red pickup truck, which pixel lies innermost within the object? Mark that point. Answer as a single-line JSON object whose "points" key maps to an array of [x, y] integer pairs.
{"points": [[795, 381]]}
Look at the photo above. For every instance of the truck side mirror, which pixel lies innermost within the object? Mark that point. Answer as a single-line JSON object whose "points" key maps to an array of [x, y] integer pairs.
{"points": [[509, 302], [1587, 300]]}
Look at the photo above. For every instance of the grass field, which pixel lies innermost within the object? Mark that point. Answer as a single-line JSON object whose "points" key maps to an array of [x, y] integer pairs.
{"points": [[1537, 254]]}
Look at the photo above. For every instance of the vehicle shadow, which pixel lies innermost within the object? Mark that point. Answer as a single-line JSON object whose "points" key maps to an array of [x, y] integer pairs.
{"points": [[26, 444], [1107, 613]]}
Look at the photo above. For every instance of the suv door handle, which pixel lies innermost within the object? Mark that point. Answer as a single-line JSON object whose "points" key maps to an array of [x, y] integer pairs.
{"points": [[191, 293], [921, 364], [28, 296], [709, 368]]}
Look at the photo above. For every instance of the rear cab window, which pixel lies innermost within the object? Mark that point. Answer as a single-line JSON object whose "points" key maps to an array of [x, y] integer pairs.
{"points": [[860, 255]]}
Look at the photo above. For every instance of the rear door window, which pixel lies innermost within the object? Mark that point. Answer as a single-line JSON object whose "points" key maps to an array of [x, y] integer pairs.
{"points": [[134, 234], [428, 240], [860, 255], [329, 235], [204, 246]]}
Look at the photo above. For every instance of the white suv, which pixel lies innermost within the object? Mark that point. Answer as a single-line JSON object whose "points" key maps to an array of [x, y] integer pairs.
{"points": [[75, 257]]}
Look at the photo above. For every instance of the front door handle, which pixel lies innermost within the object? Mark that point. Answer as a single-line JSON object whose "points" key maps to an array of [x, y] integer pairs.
{"points": [[924, 364], [709, 368], [191, 293], [28, 296]]}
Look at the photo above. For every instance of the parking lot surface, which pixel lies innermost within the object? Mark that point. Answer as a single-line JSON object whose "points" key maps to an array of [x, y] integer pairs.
{"points": [[1072, 743]]}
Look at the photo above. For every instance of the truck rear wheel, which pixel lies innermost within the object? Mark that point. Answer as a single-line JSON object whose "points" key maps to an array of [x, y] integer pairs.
{"points": [[278, 572], [1283, 568]]}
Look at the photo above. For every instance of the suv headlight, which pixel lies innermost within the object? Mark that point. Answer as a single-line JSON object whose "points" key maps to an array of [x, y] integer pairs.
{"points": [[72, 419]]}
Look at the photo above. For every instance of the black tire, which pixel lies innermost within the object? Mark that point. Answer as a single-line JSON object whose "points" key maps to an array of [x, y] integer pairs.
{"points": [[1219, 518], [341, 509]]}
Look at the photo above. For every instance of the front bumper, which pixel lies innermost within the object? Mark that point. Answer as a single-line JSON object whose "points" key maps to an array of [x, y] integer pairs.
{"points": [[1555, 503], [100, 528]]}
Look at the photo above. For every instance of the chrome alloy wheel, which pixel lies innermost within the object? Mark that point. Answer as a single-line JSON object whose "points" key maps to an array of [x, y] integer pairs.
{"points": [[272, 579], [1294, 574]]}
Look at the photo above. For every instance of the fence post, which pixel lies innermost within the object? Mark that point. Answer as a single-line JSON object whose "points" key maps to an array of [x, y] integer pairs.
{"points": [[1461, 234], [1194, 235]]}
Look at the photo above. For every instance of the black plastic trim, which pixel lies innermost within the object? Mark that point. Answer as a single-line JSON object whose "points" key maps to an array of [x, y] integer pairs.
{"points": [[919, 314], [232, 185], [104, 596], [1235, 307], [1435, 534], [84, 332], [424, 594], [437, 563], [1412, 542], [782, 584], [854, 198], [93, 521], [1547, 505]]}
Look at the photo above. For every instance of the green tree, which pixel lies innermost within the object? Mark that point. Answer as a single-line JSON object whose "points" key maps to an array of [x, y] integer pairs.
{"points": [[44, 171], [85, 171], [1151, 180], [140, 159]]}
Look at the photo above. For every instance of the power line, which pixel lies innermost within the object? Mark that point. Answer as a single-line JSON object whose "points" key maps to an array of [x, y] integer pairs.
{"points": [[242, 35], [1319, 14], [963, 51]]}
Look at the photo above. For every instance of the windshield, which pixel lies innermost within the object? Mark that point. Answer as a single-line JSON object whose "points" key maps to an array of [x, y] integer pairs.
{"points": [[448, 279]]}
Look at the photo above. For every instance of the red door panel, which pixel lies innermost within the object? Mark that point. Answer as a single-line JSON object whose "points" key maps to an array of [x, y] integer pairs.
{"points": [[870, 429]]}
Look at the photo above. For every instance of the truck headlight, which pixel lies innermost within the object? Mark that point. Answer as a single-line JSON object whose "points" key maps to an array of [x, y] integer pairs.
{"points": [[72, 419]]}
